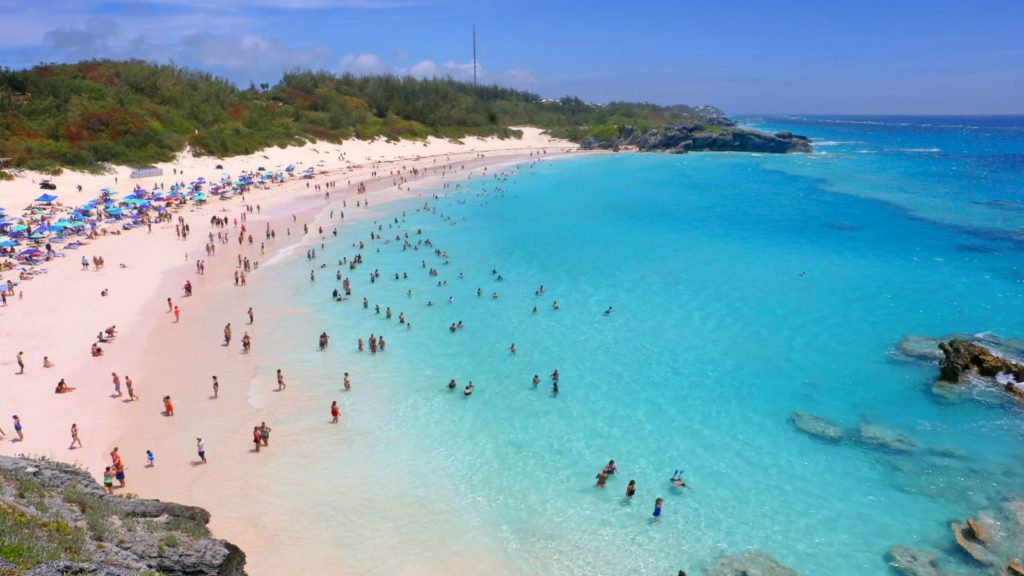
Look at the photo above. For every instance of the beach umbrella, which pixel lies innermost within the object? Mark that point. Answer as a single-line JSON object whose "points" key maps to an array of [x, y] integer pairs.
{"points": [[7, 243], [18, 228], [46, 198]]}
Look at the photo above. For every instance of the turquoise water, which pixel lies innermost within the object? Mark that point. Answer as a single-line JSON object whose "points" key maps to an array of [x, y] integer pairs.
{"points": [[744, 288]]}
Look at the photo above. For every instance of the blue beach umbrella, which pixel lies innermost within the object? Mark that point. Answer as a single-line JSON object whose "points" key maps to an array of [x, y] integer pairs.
{"points": [[7, 243], [46, 198]]}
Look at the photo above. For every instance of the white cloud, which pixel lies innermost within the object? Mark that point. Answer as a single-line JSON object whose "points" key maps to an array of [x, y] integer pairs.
{"points": [[423, 69], [516, 77], [365, 63]]}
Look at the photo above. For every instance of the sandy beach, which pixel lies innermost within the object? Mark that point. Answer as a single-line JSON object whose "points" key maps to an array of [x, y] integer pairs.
{"points": [[59, 313]]}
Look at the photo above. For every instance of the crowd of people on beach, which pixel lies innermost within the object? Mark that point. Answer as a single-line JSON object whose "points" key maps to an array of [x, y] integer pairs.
{"points": [[385, 234]]}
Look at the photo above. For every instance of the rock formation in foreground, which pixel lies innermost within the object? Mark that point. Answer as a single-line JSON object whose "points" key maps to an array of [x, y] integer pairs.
{"points": [[706, 134], [55, 519], [961, 357]]}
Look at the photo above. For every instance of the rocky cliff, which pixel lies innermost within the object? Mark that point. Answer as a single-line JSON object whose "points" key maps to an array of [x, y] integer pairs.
{"points": [[704, 134], [55, 519]]}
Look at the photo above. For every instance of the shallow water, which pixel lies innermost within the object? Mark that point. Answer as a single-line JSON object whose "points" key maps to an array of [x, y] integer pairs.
{"points": [[744, 288]]}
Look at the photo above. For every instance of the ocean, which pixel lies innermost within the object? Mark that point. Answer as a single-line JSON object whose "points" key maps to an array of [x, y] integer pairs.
{"points": [[744, 288]]}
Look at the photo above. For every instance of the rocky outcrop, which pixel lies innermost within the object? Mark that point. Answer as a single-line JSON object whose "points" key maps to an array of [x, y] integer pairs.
{"points": [[818, 427], [960, 356], [913, 562], [887, 438], [704, 134], [752, 563], [63, 513], [967, 542]]}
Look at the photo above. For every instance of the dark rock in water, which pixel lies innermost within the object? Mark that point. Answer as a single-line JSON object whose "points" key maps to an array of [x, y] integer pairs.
{"points": [[120, 536], [702, 134], [880, 436], [818, 427], [960, 356], [913, 562], [968, 543], [752, 563]]}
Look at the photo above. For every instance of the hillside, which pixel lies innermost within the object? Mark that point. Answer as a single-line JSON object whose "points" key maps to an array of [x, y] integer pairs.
{"points": [[134, 113], [55, 519]]}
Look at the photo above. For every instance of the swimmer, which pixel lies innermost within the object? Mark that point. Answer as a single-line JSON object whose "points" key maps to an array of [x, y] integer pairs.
{"points": [[602, 477], [677, 480], [608, 311], [536, 379], [631, 489], [512, 348], [452, 384], [611, 468], [468, 389], [347, 382], [657, 507]]}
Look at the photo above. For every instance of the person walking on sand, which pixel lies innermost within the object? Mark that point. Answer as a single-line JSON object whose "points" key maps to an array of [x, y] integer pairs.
{"points": [[168, 406], [131, 388], [216, 388], [17, 429], [334, 412], [280, 381], [265, 433], [117, 384], [170, 306], [201, 449], [227, 334], [250, 315], [21, 362], [177, 314], [119, 474], [257, 438], [74, 437]]}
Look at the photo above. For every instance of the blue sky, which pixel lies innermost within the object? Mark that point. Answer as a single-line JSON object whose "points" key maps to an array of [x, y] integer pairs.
{"points": [[785, 56]]}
